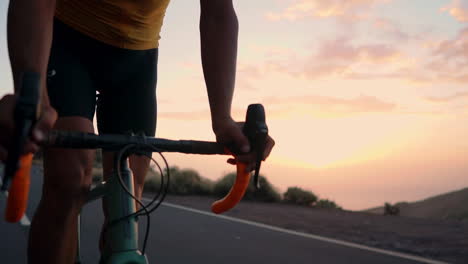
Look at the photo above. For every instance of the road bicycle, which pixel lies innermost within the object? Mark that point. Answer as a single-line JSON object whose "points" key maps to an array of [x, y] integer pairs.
{"points": [[121, 232]]}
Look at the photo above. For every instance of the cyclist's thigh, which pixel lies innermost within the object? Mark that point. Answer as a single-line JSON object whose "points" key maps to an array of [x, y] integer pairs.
{"points": [[72, 93], [127, 92], [127, 99], [69, 84]]}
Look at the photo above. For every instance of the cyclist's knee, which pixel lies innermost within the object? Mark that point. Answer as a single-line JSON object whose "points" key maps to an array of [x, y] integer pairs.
{"points": [[67, 174]]}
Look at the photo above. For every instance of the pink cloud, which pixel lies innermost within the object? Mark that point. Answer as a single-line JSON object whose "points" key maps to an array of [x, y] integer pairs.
{"points": [[335, 57], [458, 10], [329, 104], [452, 49], [450, 98], [398, 74], [450, 58], [301, 9], [186, 116], [391, 29], [249, 70], [343, 50], [200, 115], [446, 61]]}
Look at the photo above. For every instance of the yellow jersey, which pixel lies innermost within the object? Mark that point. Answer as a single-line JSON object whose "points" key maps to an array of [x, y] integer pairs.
{"points": [[128, 24]]}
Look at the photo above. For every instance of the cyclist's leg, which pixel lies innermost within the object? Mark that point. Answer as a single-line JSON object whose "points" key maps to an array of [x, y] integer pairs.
{"points": [[67, 173], [127, 104], [67, 177]]}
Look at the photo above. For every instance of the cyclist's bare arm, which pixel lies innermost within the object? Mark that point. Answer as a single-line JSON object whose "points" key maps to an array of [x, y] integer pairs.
{"points": [[218, 32], [29, 41], [29, 35]]}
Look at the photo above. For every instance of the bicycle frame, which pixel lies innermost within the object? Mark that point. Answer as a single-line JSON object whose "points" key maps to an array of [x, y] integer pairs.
{"points": [[121, 238], [122, 234]]}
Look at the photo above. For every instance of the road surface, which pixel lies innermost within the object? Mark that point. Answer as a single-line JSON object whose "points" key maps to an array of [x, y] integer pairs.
{"points": [[182, 236]]}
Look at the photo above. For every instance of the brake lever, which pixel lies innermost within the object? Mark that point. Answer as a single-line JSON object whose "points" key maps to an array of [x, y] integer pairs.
{"points": [[256, 130], [16, 178], [25, 114]]}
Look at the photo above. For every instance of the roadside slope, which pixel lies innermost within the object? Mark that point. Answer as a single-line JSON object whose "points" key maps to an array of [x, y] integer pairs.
{"points": [[452, 205]]}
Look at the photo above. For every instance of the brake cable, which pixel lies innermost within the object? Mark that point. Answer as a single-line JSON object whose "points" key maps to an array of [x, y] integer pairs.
{"points": [[144, 208]]}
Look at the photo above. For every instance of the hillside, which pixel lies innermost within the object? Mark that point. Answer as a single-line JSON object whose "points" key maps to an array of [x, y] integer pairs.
{"points": [[452, 205]]}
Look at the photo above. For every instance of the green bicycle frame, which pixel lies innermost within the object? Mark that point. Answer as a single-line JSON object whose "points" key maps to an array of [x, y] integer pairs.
{"points": [[122, 237]]}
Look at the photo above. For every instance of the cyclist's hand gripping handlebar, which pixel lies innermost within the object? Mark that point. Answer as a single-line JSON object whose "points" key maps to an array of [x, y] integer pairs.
{"points": [[256, 130], [18, 167]]}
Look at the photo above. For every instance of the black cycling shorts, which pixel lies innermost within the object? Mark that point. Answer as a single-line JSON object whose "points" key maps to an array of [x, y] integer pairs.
{"points": [[86, 75]]}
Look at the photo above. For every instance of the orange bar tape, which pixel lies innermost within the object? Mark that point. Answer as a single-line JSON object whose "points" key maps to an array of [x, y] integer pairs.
{"points": [[19, 190], [236, 193]]}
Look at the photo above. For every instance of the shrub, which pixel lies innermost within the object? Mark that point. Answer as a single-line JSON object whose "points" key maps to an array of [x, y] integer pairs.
{"points": [[266, 193], [391, 209], [299, 196], [187, 182], [182, 182], [152, 181], [461, 216], [327, 204]]}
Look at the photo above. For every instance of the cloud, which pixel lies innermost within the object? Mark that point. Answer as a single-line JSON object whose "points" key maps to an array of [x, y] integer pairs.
{"points": [[296, 106], [342, 49], [249, 70], [443, 61], [390, 29], [246, 74], [458, 10], [450, 98], [337, 57], [186, 116], [200, 115], [271, 50], [454, 48], [446, 61], [449, 59], [331, 105], [301, 9]]}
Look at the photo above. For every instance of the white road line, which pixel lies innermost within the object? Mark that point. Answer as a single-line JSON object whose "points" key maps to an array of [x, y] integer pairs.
{"points": [[316, 237]]}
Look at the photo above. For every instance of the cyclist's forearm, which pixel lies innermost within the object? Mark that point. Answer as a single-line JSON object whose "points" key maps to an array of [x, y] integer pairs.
{"points": [[218, 31], [29, 38]]}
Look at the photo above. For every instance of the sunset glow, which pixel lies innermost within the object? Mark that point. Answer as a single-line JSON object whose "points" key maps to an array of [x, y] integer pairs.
{"points": [[367, 99]]}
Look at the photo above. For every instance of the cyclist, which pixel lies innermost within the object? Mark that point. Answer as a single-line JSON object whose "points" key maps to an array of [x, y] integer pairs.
{"points": [[109, 47]]}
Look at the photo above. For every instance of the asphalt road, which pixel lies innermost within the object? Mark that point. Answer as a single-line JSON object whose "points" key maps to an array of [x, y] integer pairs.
{"points": [[182, 236]]}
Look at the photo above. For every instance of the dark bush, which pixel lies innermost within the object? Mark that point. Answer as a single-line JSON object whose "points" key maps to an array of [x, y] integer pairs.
{"points": [[391, 209], [327, 204], [266, 193], [296, 195], [182, 182], [152, 181]]}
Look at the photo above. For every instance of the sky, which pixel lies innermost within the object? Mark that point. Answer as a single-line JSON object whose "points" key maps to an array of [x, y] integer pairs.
{"points": [[367, 100]]}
